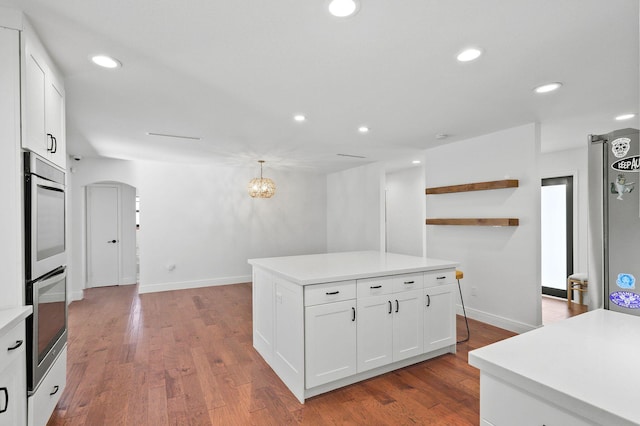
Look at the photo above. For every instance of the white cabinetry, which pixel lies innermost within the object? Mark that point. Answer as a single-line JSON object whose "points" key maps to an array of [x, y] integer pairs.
{"points": [[13, 377], [439, 312], [42, 403], [43, 104], [330, 333], [263, 299], [340, 327], [390, 320]]}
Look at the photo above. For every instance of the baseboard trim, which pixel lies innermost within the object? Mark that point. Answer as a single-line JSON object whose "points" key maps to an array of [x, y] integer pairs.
{"points": [[496, 320], [75, 296], [183, 285]]}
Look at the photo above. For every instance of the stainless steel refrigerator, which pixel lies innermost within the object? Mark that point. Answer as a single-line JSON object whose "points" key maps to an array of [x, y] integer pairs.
{"points": [[614, 221]]}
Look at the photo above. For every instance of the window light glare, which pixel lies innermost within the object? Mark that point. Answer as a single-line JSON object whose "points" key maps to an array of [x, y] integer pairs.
{"points": [[343, 8], [363, 129], [105, 61], [415, 162], [625, 117], [469, 54], [546, 88], [299, 118]]}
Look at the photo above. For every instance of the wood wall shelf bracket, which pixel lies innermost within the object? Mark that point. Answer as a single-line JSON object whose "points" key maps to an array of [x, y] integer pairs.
{"points": [[475, 221], [478, 186]]}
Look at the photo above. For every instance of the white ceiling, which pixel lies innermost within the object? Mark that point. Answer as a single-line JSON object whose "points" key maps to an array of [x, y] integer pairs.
{"points": [[235, 72]]}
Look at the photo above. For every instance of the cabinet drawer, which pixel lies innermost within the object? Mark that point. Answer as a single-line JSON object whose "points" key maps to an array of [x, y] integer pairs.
{"points": [[11, 340], [375, 286], [42, 403], [441, 277], [317, 294], [408, 282]]}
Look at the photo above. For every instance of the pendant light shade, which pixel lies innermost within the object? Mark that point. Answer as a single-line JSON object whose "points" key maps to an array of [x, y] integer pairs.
{"points": [[261, 187]]}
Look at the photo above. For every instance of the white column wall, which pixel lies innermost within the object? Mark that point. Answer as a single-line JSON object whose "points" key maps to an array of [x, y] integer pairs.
{"points": [[355, 198], [405, 211]]}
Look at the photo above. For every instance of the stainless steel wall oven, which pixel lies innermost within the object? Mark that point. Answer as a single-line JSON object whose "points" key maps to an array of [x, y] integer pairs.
{"points": [[45, 265]]}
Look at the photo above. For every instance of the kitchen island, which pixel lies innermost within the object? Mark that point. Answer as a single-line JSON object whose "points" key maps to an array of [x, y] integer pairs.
{"points": [[580, 371], [328, 320]]}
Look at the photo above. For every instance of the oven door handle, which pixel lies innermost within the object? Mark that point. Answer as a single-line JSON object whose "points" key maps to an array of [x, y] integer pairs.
{"points": [[44, 283]]}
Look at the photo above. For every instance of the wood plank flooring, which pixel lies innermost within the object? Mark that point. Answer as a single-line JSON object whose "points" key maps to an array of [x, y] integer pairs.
{"points": [[186, 358], [555, 309]]}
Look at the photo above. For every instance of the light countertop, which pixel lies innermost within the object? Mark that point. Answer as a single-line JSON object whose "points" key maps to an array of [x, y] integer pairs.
{"points": [[588, 362], [10, 317], [332, 267]]}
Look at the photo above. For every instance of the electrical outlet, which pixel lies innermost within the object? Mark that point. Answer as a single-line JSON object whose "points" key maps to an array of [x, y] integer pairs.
{"points": [[474, 291]]}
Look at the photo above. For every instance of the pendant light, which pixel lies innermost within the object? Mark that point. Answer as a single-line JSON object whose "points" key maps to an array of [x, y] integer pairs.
{"points": [[261, 187]]}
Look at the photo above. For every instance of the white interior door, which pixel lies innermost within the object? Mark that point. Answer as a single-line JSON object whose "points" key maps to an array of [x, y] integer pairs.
{"points": [[103, 241]]}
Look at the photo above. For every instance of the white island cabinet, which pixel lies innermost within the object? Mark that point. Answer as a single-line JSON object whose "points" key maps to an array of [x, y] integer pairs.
{"points": [[328, 320], [580, 371]]}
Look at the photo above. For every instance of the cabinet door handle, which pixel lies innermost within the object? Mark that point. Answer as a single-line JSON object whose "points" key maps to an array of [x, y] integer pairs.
{"points": [[354, 313], [441, 278], [55, 390], [375, 286], [409, 282], [428, 300], [49, 138], [54, 146], [330, 293], [16, 346], [6, 399], [390, 306], [397, 305]]}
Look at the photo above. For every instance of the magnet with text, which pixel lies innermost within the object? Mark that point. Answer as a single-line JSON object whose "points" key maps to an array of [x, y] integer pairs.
{"points": [[625, 299], [629, 164], [626, 281]]}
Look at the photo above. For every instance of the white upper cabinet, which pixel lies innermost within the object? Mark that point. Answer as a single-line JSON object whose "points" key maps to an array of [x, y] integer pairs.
{"points": [[43, 104]]}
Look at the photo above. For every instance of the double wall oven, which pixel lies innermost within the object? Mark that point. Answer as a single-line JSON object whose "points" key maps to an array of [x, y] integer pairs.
{"points": [[45, 265]]}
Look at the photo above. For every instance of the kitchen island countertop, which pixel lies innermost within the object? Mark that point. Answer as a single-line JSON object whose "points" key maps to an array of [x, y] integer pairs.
{"points": [[332, 267], [585, 364]]}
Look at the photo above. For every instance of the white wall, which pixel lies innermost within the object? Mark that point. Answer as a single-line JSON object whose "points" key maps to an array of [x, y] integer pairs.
{"points": [[355, 198], [405, 211], [11, 248], [128, 232], [501, 264], [200, 219], [573, 162]]}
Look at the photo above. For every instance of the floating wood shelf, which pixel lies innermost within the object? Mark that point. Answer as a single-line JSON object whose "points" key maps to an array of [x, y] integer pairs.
{"points": [[478, 186], [475, 222]]}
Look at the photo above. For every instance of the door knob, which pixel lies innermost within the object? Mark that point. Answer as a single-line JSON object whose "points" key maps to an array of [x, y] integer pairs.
{"points": [[112, 241]]}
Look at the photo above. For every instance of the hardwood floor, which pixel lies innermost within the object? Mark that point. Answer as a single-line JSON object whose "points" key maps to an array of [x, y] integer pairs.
{"points": [[555, 309], [186, 357]]}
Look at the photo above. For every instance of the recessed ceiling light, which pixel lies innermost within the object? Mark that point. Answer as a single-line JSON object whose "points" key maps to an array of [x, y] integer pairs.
{"points": [[299, 118], [442, 136], [415, 162], [625, 117], [106, 61], [546, 88], [469, 54], [343, 8], [363, 129]]}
